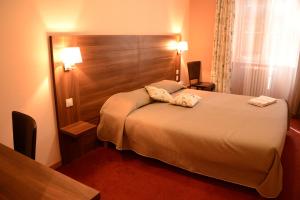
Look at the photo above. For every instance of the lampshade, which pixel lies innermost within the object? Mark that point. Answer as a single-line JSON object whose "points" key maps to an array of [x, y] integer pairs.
{"points": [[70, 56], [182, 46]]}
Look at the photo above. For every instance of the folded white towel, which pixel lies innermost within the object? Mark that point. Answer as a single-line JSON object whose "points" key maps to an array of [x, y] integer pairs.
{"points": [[262, 101]]}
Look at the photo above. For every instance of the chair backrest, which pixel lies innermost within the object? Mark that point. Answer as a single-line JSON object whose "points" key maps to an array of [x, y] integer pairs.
{"points": [[194, 69], [24, 134]]}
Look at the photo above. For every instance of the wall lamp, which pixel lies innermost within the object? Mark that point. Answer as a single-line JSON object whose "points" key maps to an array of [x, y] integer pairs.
{"points": [[182, 46], [70, 56]]}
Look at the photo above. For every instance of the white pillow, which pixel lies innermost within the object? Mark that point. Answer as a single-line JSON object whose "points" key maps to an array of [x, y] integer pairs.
{"points": [[159, 94], [186, 100]]}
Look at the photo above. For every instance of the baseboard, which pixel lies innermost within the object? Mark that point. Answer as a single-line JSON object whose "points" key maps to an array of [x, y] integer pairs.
{"points": [[56, 165]]}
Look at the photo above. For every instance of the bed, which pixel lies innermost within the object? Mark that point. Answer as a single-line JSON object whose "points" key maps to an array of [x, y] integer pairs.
{"points": [[221, 137]]}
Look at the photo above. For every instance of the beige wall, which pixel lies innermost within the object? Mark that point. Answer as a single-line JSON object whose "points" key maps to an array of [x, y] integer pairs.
{"points": [[25, 81], [201, 32]]}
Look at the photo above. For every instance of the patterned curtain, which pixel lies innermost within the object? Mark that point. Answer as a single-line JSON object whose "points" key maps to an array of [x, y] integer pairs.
{"points": [[221, 66]]}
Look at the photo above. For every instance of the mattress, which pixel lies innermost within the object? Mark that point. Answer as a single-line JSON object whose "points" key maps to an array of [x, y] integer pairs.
{"points": [[222, 136]]}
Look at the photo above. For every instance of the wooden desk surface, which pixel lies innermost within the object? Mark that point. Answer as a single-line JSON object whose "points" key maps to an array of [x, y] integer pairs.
{"points": [[23, 178]]}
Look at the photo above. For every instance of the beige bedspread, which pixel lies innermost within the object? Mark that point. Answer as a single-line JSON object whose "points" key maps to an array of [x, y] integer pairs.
{"points": [[222, 136]]}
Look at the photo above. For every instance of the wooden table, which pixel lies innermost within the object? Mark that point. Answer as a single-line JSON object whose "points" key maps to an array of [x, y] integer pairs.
{"points": [[23, 178]]}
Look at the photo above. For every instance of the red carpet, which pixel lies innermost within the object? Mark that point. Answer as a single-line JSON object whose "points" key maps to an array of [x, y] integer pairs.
{"points": [[126, 175]]}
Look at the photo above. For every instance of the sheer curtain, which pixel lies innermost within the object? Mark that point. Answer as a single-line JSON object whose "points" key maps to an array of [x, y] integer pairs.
{"points": [[266, 45]]}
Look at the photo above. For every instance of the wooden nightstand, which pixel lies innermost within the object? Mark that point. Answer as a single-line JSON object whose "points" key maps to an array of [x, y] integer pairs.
{"points": [[77, 139], [204, 86]]}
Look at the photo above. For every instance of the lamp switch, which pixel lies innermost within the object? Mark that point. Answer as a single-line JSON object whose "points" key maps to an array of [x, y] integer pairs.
{"points": [[69, 102], [177, 78], [177, 71]]}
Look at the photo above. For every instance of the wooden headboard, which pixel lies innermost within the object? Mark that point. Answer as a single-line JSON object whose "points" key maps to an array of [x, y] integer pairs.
{"points": [[111, 64]]}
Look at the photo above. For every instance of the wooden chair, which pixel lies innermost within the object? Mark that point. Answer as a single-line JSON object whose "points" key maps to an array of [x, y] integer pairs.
{"points": [[24, 134], [194, 69]]}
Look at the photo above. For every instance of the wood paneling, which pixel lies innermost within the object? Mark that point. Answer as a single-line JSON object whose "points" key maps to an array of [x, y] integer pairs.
{"points": [[111, 64]]}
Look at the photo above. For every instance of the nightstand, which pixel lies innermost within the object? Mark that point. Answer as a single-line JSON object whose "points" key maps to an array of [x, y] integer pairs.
{"points": [[207, 86], [77, 139]]}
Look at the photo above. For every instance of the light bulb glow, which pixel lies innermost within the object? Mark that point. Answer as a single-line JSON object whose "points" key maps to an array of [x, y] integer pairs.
{"points": [[70, 56]]}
